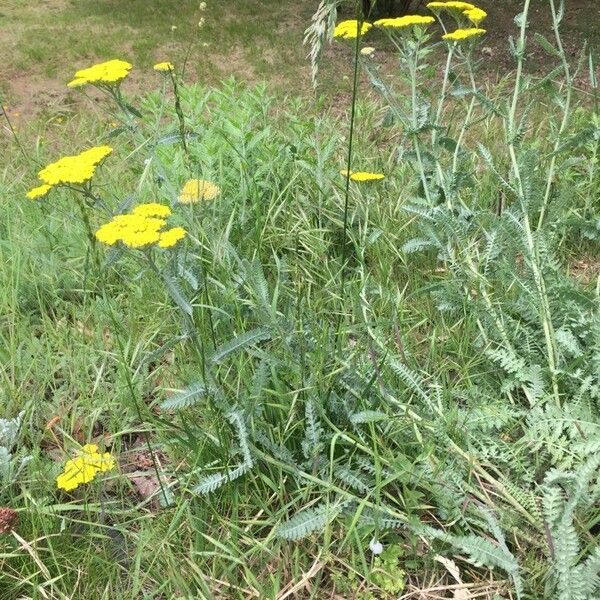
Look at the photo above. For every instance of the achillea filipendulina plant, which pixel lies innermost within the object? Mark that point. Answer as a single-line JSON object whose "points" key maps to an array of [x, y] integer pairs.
{"points": [[451, 6], [84, 468], [39, 192], [460, 35], [362, 176], [350, 29], [109, 73], [405, 22], [364, 425], [142, 228], [164, 67], [475, 15], [196, 190], [73, 170]]}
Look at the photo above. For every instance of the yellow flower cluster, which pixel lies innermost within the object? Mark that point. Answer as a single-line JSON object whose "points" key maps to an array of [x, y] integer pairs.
{"points": [[473, 13], [141, 228], [39, 192], [152, 209], [461, 6], [111, 72], [349, 29], [195, 190], [362, 175], [84, 468], [164, 67], [69, 170], [406, 21], [463, 34]]}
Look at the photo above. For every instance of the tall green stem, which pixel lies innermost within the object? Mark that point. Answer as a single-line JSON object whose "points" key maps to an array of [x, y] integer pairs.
{"points": [[348, 166], [413, 61], [534, 255], [566, 113]]}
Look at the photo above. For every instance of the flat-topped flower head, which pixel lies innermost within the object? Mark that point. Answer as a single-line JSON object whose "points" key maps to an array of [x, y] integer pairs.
{"points": [[360, 176], [405, 22], [152, 209], [76, 169], [171, 237], [84, 468], [196, 190], [367, 51], [135, 231], [111, 72], [142, 228], [39, 192], [349, 30], [460, 35], [475, 15], [459, 6], [164, 67]]}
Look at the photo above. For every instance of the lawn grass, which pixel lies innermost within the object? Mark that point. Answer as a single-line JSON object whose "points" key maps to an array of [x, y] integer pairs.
{"points": [[381, 398]]}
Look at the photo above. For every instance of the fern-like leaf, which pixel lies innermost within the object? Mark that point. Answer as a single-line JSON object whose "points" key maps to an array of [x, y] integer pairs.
{"points": [[307, 521], [239, 342]]}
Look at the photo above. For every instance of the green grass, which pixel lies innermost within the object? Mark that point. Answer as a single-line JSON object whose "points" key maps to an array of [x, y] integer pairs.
{"points": [[400, 408]]}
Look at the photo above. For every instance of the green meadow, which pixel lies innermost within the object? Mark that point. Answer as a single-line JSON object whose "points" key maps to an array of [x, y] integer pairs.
{"points": [[265, 340]]}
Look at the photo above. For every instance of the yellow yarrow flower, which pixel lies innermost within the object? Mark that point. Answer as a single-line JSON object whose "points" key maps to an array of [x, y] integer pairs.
{"points": [[475, 15], [142, 228], [171, 237], [360, 176], [111, 72], [74, 169], [403, 22], [39, 192], [461, 6], [195, 190], [84, 468], [135, 231], [349, 29], [463, 34], [152, 209], [164, 67]]}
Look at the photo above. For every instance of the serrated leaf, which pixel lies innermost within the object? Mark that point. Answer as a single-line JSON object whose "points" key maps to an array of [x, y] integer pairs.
{"points": [[368, 416], [186, 397], [241, 341], [307, 521], [113, 255], [134, 111], [416, 245], [113, 133], [177, 295], [546, 45]]}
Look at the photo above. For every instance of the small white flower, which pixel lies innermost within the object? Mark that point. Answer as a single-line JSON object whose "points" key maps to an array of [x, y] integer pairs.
{"points": [[367, 51], [376, 547], [202, 5], [173, 27]]}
